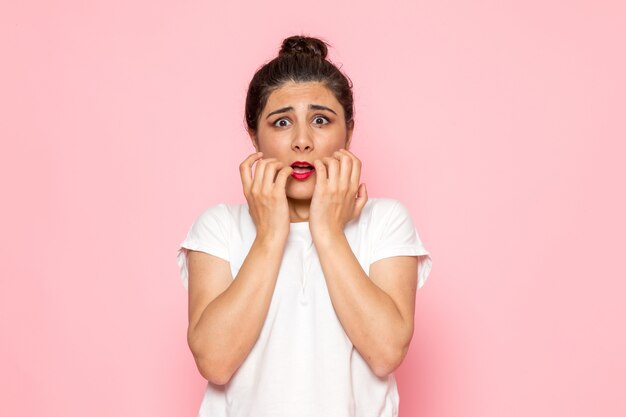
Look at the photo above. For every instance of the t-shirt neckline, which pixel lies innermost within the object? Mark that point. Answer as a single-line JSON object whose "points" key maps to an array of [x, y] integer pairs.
{"points": [[299, 225]]}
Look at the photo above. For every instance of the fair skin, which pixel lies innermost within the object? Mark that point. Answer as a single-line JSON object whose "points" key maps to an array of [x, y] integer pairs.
{"points": [[300, 122]]}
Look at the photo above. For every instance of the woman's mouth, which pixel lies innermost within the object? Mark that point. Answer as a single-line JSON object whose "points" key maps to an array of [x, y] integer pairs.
{"points": [[302, 170], [301, 176]]}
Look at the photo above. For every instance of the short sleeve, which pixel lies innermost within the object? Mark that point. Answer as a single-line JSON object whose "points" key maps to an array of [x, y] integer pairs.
{"points": [[208, 233], [398, 236]]}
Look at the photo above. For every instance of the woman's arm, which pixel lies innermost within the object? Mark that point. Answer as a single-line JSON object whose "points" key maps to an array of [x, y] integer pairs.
{"points": [[376, 311], [226, 315]]}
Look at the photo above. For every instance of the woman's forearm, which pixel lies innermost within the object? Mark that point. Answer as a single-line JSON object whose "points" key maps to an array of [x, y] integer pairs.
{"points": [[369, 316], [230, 324]]}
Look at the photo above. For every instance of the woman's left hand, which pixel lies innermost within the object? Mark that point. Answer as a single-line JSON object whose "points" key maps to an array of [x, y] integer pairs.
{"points": [[338, 196]]}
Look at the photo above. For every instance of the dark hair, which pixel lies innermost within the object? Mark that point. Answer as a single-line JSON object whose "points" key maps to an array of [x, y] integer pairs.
{"points": [[301, 59]]}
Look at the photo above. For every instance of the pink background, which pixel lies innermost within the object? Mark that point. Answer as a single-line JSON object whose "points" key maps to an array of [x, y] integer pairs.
{"points": [[121, 121]]}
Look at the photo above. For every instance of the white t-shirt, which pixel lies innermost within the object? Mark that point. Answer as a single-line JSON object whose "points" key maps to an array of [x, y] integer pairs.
{"points": [[303, 363]]}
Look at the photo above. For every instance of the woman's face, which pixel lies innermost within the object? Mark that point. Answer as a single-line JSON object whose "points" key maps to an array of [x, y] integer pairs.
{"points": [[301, 122]]}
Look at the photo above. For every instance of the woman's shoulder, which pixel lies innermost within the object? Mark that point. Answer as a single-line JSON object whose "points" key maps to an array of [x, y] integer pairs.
{"points": [[381, 202], [218, 213], [380, 205], [383, 210]]}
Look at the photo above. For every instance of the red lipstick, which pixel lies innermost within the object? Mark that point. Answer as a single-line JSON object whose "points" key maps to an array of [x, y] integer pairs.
{"points": [[302, 170]]}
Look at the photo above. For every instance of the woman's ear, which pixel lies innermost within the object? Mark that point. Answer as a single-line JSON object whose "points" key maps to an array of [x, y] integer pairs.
{"points": [[254, 139], [349, 137]]}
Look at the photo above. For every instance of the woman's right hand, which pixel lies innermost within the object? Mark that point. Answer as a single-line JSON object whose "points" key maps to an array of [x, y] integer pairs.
{"points": [[267, 200]]}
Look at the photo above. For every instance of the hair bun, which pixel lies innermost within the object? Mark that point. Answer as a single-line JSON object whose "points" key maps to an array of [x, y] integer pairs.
{"points": [[304, 45]]}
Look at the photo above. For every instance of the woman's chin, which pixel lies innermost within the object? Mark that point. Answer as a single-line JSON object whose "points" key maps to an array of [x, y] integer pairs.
{"points": [[299, 190]]}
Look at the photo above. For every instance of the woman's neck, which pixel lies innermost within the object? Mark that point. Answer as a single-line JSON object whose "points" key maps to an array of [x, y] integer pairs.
{"points": [[299, 210]]}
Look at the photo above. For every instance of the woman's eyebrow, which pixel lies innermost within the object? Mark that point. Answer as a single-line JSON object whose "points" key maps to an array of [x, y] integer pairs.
{"points": [[311, 107], [320, 107]]}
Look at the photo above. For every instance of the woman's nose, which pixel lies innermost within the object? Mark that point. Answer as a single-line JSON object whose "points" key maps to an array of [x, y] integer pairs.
{"points": [[302, 139]]}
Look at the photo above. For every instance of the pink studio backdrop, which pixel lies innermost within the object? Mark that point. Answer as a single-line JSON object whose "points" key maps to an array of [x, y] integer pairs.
{"points": [[499, 124]]}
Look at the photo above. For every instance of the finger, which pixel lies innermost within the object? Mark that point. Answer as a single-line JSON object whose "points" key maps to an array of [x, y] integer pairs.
{"points": [[362, 192], [361, 199], [257, 183], [332, 165], [345, 170], [283, 176], [320, 173], [270, 173], [355, 175], [245, 169]]}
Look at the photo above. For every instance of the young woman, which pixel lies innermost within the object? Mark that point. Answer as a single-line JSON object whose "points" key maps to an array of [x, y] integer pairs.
{"points": [[301, 301]]}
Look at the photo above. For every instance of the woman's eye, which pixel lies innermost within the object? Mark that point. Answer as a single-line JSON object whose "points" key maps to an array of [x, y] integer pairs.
{"points": [[281, 123], [320, 120]]}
